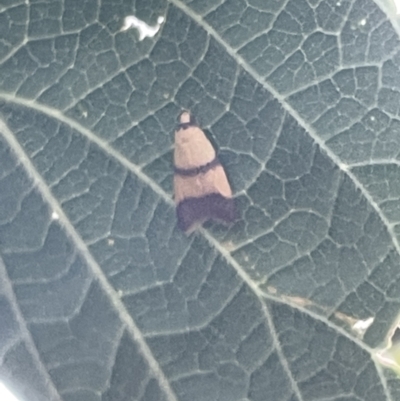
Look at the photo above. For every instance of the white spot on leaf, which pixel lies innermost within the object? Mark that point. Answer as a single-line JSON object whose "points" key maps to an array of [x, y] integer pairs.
{"points": [[362, 325], [144, 30], [363, 22]]}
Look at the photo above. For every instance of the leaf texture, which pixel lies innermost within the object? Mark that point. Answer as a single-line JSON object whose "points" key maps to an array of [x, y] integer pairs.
{"points": [[102, 297]]}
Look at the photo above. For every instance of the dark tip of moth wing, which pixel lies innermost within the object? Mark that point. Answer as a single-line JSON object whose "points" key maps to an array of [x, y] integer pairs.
{"points": [[186, 120], [208, 207]]}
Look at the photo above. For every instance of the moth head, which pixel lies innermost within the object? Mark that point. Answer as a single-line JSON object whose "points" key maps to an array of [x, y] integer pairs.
{"points": [[186, 120]]}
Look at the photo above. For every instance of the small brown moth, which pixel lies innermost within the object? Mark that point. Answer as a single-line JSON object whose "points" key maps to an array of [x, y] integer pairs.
{"points": [[202, 190]]}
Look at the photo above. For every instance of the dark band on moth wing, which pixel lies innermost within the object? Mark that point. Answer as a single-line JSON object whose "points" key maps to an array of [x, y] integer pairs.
{"points": [[192, 172], [186, 125], [212, 206]]}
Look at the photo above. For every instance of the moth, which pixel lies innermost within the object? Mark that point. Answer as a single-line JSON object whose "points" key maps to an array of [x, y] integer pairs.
{"points": [[201, 188]]}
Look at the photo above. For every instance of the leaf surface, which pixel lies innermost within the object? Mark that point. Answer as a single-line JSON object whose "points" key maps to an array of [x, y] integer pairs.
{"points": [[102, 297]]}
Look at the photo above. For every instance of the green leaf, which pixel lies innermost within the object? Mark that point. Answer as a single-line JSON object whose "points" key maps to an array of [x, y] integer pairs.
{"points": [[102, 297]]}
